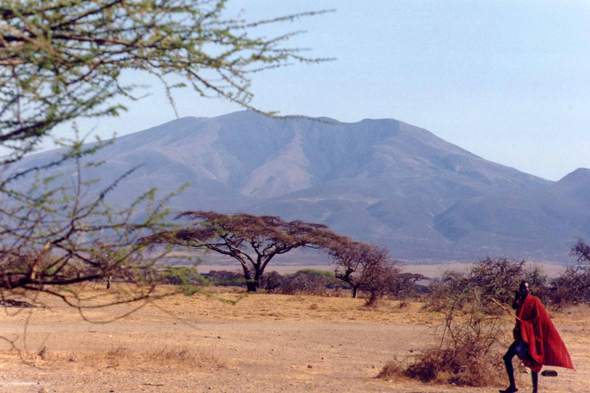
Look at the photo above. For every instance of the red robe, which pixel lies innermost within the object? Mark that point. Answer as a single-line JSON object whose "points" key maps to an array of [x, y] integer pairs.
{"points": [[545, 345]]}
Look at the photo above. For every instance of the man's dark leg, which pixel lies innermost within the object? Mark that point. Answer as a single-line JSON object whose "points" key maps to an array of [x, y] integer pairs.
{"points": [[509, 369], [522, 351]]}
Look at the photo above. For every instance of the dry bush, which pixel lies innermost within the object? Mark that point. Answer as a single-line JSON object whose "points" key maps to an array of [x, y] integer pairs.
{"points": [[572, 287], [406, 287], [461, 368], [465, 363], [467, 353], [380, 281], [492, 278], [393, 370], [272, 281]]}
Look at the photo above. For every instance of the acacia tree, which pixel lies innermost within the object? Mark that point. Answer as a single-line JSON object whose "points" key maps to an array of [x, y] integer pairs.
{"points": [[251, 240], [62, 60], [56, 233], [363, 266], [65, 60], [348, 257]]}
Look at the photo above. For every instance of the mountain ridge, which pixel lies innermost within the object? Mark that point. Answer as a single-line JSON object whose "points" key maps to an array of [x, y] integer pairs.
{"points": [[378, 180]]}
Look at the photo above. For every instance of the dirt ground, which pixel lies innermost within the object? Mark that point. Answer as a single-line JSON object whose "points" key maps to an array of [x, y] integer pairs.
{"points": [[266, 343]]}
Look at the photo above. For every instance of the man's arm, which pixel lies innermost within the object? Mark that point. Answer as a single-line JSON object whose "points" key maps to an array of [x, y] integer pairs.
{"points": [[517, 303]]}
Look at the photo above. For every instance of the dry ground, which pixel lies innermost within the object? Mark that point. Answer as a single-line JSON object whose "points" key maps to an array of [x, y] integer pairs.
{"points": [[267, 343]]}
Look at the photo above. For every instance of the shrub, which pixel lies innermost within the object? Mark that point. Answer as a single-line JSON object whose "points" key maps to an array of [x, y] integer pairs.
{"points": [[380, 280], [573, 285], [493, 278], [225, 278], [308, 282], [273, 281], [473, 324], [405, 285], [364, 267], [466, 367], [467, 346], [182, 275], [392, 370]]}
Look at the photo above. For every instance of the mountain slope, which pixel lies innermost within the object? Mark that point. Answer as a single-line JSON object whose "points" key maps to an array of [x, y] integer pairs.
{"points": [[377, 180]]}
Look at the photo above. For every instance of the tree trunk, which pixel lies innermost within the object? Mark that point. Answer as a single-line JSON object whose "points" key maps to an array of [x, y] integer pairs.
{"points": [[355, 290], [257, 279], [252, 285]]}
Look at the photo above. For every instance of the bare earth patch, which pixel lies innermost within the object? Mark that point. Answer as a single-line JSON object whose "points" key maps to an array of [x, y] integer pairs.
{"points": [[269, 343]]}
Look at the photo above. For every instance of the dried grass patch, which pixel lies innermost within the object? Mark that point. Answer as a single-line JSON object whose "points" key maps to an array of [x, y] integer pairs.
{"points": [[393, 371], [444, 366], [122, 357], [182, 357]]}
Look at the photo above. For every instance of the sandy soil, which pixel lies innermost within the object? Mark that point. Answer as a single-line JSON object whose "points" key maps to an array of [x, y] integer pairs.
{"points": [[269, 343]]}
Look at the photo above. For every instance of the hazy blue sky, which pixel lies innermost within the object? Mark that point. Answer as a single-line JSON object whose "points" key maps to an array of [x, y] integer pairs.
{"points": [[508, 80]]}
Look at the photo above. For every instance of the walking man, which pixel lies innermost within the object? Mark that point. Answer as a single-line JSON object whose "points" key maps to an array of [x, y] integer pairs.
{"points": [[536, 341]]}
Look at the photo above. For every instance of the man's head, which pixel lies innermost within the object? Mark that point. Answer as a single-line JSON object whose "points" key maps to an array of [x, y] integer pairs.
{"points": [[523, 289]]}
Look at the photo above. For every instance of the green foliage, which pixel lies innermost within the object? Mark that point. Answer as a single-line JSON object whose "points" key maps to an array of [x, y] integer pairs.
{"points": [[253, 241], [63, 60], [183, 276], [59, 230], [316, 272], [225, 278]]}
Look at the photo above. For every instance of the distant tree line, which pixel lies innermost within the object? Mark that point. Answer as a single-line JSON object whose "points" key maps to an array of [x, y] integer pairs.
{"points": [[254, 241], [498, 278], [62, 61]]}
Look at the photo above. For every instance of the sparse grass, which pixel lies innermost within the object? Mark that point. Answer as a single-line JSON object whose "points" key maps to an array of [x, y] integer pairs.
{"points": [[177, 357], [122, 357], [153, 348]]}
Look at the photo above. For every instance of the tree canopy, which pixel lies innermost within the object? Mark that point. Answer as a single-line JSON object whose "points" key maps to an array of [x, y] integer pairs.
{"points": [[363, 266], [62, 60], [254, 241], [251, 240], [58, 232]]}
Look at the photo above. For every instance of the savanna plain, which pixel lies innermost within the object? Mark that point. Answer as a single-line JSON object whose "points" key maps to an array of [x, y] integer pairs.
{"points": [[227, 341]]}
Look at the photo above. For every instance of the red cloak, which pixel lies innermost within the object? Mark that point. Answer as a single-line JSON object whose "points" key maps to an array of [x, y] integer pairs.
{"points": [[545, 345]]}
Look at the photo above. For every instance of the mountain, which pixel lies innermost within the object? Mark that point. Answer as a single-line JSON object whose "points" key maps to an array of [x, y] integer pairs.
{"points": [[382, 181]]}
